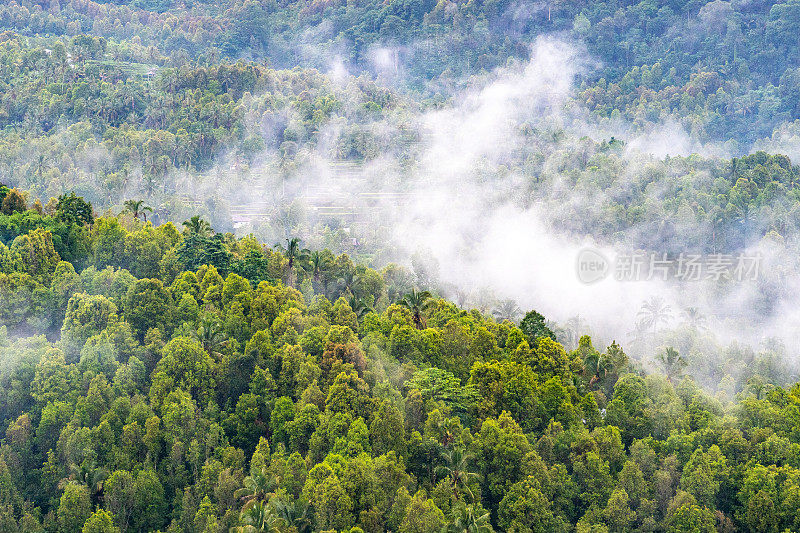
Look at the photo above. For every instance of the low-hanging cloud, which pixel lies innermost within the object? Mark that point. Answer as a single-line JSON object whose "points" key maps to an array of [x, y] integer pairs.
{"points": [[467, 193]]}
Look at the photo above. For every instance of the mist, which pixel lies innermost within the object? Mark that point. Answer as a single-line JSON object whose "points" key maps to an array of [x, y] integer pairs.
{"points": [[481, 187]]}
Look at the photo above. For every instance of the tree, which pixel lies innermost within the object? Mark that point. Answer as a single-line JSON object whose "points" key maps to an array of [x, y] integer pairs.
{"points": [[422, 516], [73, 209], [348, 394], [440, 385], [469, 519], [100, 522], [654, 312], [534, 327], [500, 448], [417, 302], [85, 317], [525, 508], [148, 305], [74, 508], [119, 497], [507, 310], [672, 362], [197, 226], [149, 504], [332, 505], [36, 250], [137, 208], [294, 255], [456, 469], [687, 517], [196, 250], [184, 365], [12, 202]]}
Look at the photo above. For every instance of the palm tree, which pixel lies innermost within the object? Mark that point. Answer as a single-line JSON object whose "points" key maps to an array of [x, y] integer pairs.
{"points": [[197, 226], [417, 302], [597, 365], [258, 486], [348, 281], [570, 334], [507, 310], [293, 514], [294, 254], [672, 362], [468, 519], [456, 469], [89, 474], [694, 318], [359, 306], [210, 335], [258, 518], [441, 427], [137, 209], [654, 312], [316, 264]]}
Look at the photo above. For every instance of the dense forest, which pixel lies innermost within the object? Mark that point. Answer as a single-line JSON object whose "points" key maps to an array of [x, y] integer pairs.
{"points": [[219, 313], [185, 380]]}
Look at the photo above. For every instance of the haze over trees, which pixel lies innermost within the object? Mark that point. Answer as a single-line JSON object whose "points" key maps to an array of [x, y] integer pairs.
{"points": [[208, 323], [142, 393]]}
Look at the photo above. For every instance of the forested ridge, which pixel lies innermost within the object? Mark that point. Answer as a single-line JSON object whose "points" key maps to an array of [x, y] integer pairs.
{"points": [[157, 378], [213, 319], [726, 70]]}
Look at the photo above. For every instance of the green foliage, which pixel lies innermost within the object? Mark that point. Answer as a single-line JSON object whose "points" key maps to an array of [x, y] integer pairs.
{"points": [[74, 508], [73, 209], [260, 407], [440, 385], [100, 522], [534, 327]]}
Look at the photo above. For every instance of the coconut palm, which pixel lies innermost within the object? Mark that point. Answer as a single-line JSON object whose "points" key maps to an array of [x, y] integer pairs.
{"points": [[316, 264], [197, 226], [469, 519], [672, 362], [417, 302], [456, 470], [597, 365], [294, 514], [694, 318], [258, 518], [258, 486], [570, 333], [137, 208], [294, 255], [348, 281], [507, 310], [655, 312], [89, 474], [359, 306], [601, 365], [211, 335]]}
